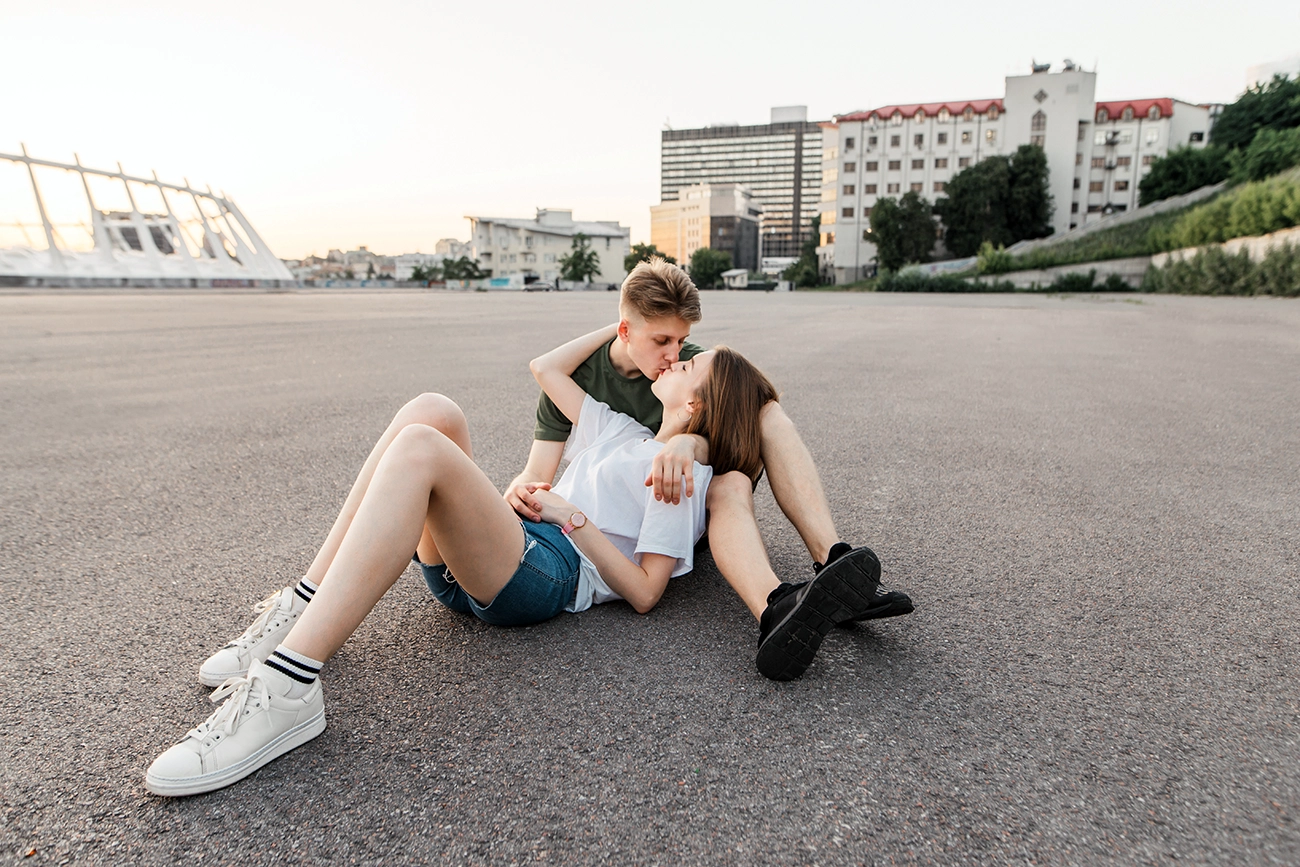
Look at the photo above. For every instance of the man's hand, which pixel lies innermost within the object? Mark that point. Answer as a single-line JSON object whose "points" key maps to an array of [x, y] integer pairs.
{"points": [[522, 498], [674, 469]]}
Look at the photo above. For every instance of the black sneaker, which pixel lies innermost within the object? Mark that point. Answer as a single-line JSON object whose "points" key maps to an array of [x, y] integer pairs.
{"points": [[798, 616], [884, 602]]}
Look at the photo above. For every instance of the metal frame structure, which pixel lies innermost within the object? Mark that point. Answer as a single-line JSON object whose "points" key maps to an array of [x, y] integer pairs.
{"points": [[135, 248]]}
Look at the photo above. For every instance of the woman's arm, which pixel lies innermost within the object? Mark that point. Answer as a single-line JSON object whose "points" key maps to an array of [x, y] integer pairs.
{"points": [[641, 585], [554, 370]]}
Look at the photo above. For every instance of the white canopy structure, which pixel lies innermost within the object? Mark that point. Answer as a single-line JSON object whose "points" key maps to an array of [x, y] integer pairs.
{"points": [[160, 234]]}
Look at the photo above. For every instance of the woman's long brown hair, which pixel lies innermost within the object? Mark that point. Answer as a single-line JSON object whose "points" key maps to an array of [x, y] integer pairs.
{"points": [[727, 413]]}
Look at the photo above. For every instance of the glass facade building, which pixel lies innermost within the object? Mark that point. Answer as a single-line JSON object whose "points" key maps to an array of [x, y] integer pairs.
{"points": [[780, 163]]}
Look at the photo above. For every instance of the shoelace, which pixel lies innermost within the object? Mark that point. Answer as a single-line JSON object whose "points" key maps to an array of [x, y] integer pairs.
{"points": [[266, 610], [233, 696]]}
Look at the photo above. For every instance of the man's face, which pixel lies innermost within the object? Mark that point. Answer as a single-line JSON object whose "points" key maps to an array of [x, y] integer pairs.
{"points": [[653, 344]]}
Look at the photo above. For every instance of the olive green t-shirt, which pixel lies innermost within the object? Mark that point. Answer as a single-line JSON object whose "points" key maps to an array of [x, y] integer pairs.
{"points": [[598, 378]]}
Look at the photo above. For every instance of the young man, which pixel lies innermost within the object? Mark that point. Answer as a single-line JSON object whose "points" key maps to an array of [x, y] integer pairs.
{"points": [[657, 307]]}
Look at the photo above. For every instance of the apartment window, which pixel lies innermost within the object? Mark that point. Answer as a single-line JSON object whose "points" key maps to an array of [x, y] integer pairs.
{"points": [[895, 141], [1123, 162], [896, 118], [966, 137], [1036, 140], [993, 112], [868, 189], [968, 114], [848, 212], [1099, 162], [1083, 130], [848, 189], [872, 141], [1196, 136], [891, 188], [918, 141], [848, 143], [1102, 115], [850, 168], [1121, 186], [1153, 112], [1077, 183], [943, 118], [1096, 186], [943, 138], [916, 188], [872, 166], [1078, 159], [895, 165], [1094, 209], [941, 163], [1127, 113], [1038, 123], [918, 164], [963, 162], [1147, 160], [991, 136], [1152, 136], [919, 117], [866, 212], [1074, 207], [1126, 137], [938, 186]]}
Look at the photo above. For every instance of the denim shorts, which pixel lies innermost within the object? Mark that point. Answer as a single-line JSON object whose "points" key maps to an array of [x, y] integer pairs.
{"points": [[542, 587]]}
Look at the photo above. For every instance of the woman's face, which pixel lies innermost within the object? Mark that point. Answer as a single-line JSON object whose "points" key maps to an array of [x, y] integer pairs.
{"points": [[678, 385]]}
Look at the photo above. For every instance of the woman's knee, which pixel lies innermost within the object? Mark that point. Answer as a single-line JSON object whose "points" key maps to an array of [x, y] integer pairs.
{"points": [[417, 447], [733, 489], [436, 411]]}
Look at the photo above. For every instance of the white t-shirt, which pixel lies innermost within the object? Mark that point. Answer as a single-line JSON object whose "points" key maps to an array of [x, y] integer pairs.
{"points": [[610, 456]]}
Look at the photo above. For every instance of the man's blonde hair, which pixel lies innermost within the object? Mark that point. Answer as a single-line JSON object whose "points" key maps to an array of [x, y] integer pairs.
{"points": [[657, 288]]}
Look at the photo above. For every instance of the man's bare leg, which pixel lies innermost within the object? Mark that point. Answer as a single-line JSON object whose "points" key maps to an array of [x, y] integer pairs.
{"points": [[735, 542], [795, 483]]}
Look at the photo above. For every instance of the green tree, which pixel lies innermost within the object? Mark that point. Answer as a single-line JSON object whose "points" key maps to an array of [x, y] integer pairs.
{"points": [[1182, 171], [644, 253], [807, 270], [1272, 105], [426, 274], [1000, 199], [1270, 152], [707, 265], [903, 231], [463, 268], [582, 263]]}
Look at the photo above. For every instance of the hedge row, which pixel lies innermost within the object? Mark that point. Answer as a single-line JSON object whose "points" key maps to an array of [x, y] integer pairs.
{"points": [[1213, 272]]}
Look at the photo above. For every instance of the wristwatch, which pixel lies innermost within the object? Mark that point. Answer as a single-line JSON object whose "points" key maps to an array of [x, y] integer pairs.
{"points": [[576, 522]]}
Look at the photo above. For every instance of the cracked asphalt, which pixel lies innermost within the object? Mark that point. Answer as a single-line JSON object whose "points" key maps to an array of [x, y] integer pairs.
{"points": [[1093, 501]]}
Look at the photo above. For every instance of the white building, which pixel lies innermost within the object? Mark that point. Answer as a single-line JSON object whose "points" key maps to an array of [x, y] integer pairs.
{"points": [[404, 264], [1096, 152], [453, 249], [533, 248]]}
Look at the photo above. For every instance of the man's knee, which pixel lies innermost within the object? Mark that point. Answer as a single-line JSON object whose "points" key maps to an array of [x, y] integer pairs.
{"points": [[732, 490], [435, 410]]}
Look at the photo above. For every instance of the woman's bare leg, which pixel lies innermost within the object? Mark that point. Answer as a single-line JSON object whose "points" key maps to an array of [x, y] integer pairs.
{"points": [[434, 410], [422, 484]]}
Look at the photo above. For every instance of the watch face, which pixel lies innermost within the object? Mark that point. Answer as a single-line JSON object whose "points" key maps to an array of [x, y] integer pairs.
{"points": [[579, 520]]}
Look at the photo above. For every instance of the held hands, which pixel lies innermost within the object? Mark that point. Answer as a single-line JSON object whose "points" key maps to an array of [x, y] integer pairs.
{"points": [[674, 470], [522, 497], [553, 508]]}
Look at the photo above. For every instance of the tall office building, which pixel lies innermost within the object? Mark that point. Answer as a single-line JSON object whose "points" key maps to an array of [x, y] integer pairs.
{"points": [[779, 162]]}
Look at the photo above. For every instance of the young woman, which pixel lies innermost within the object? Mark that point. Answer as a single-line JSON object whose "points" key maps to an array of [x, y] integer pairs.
{"points": [[602, 536]]}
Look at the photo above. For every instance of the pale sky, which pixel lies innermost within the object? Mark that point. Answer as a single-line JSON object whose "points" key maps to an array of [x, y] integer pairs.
{"points": [[334, 124]]}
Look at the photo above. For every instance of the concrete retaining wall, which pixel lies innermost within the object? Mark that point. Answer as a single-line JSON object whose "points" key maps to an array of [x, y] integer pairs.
{"points": [[1257, 246], [1131, 270]]}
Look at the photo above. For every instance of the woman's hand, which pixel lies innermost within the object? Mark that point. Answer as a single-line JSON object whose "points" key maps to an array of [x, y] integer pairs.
{"points": [[554, 508]]}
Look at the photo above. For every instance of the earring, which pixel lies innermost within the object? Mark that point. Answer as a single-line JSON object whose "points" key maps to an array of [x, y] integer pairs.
{"points": [[688, 416]]}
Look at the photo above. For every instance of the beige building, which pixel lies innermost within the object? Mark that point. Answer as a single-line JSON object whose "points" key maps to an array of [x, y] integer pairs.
{"points": [[718, 216], [532, 249]]}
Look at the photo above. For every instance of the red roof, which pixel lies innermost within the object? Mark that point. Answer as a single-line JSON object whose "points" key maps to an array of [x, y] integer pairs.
{"points": [[1140, 107], [931, 108]]}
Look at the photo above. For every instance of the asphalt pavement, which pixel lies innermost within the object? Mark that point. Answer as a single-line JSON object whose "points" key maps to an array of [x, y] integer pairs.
{"points": [[1093, 501]]}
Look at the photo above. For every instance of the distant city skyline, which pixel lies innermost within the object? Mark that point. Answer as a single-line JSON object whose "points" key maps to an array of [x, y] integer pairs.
{"points": [[335, 126]]}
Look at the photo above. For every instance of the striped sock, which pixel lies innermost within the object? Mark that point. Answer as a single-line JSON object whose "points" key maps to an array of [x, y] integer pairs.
{"points": [[305, 590], [302, 670]]}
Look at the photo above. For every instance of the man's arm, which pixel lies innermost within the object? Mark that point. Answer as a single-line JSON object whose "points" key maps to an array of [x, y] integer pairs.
{"points": [[673, 473], [543, 460]]}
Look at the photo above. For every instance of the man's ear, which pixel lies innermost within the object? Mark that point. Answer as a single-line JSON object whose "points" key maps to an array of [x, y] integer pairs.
{"points": [[623, 329]]}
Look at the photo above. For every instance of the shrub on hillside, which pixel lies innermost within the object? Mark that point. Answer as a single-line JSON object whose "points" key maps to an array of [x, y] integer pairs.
{"points": [[1214, 272], [1256, 208], [1183, 170], [994, 260], [1271, 152], [917, 281]]}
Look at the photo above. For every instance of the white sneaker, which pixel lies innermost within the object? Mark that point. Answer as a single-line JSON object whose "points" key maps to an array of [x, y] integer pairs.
{"points": [[276, 615], [257, 723]]}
